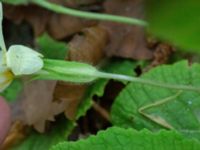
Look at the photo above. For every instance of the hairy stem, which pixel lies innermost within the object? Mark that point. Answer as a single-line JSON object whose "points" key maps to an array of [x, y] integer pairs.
{"points": [[89, 15], [147, 82]]}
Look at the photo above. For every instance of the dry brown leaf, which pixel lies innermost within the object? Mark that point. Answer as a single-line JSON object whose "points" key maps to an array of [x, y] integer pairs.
{"points": [[126, 41], [37, 106], [87, 47], [57, 25], [161, 54], [60, 26], [71, 94]]}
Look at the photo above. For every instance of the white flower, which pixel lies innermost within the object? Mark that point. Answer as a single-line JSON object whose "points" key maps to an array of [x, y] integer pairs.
{"points": [[18, 60]]}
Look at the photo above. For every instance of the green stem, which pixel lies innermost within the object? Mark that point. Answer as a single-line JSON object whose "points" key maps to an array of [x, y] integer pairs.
{"points": [[89, 15], [147, 82]]}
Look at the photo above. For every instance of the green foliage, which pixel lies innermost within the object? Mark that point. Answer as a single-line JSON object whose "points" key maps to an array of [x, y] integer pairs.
{"points": [[52, 49], [37, 141], [129, 139], [143, 106], [97, 88], [11, 93], [176, 21]]}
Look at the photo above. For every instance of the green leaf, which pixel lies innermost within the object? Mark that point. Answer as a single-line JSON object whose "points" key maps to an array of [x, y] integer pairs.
{"points": [[143, 106], [114, 66], [36, 141], [11, 93], [176, 21], [52, 49], [129, 139]]}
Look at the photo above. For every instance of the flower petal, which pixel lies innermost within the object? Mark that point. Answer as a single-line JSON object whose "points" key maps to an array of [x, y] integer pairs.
{"points": [[6, 77], [23, 60]]}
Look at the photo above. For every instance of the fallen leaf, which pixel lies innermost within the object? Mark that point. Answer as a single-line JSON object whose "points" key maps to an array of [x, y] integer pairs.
{"points": [[37, 106], [126, 41], [71, 94], [57, 25], [162, 53], [86, 47]]}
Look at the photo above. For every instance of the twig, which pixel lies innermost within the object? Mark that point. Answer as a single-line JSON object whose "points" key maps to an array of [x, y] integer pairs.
{"points": [[101, 111]]}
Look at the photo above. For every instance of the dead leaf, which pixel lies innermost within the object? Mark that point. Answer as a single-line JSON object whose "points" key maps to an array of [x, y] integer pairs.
{"points": [[126, 41], [57, 25], [60, 26], [71, 94], [86, 47], [162, 53], [36, 104]]}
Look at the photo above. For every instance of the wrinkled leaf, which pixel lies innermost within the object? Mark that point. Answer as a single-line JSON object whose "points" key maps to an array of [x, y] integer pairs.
{"points": [[142, 106], [37, 105], [126, 41], [129, 139], [58, 26], [176, 21], [88, 46]]}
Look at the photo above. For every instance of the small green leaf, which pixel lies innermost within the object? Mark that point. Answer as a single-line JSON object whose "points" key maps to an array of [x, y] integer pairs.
{"points": [[36, 141], [175, 21], [143, 106], [129, 139], [51, 48]]}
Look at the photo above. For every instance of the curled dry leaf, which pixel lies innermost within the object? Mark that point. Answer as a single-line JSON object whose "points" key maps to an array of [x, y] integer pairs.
{"points": [[161, 54], [57, 25], [71, 94], [126, 41], [37, 106], [86, 47]]}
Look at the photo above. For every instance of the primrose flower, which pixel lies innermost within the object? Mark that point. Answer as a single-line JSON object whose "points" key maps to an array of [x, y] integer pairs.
{"points": [[18, 60]]}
